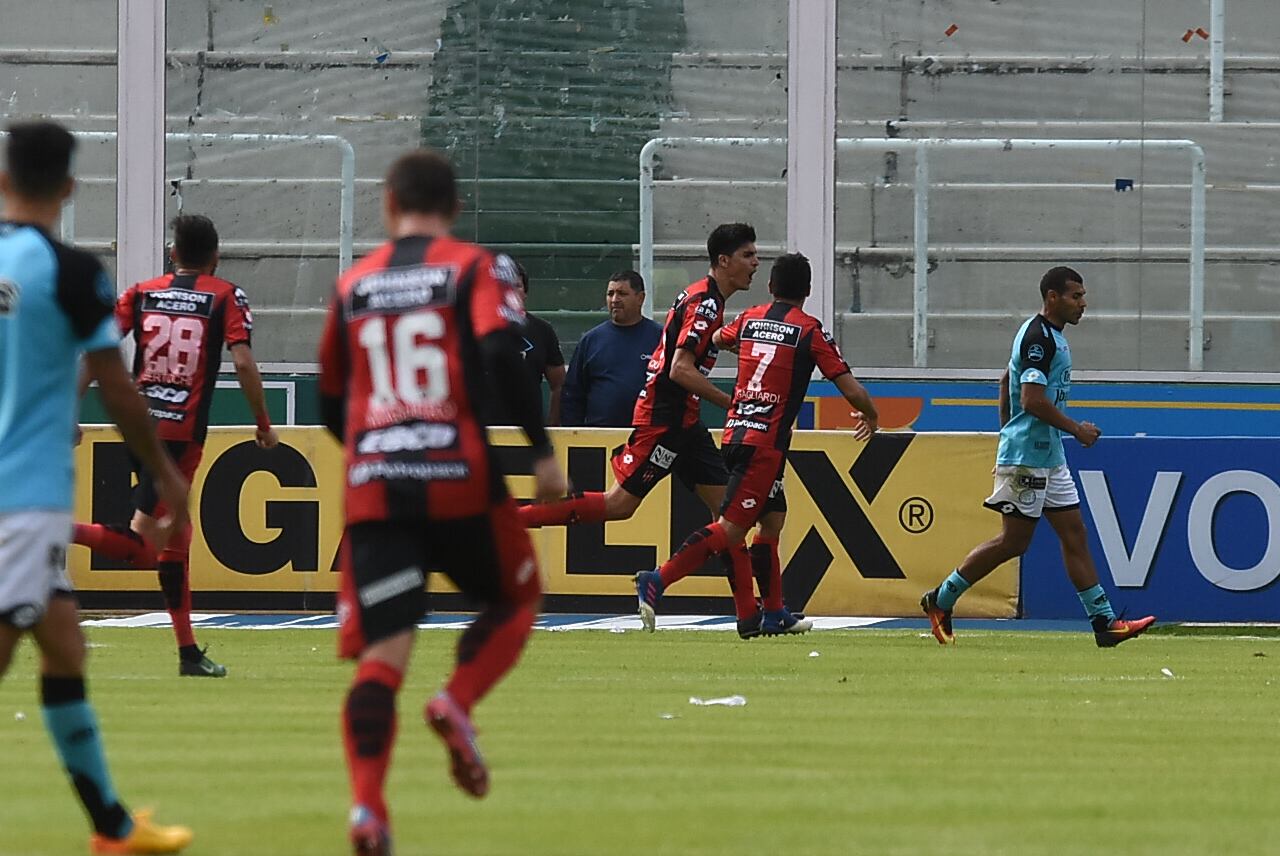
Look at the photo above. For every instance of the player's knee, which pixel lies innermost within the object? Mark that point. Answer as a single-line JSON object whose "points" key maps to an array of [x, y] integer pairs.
{"points": [[620, 505]]}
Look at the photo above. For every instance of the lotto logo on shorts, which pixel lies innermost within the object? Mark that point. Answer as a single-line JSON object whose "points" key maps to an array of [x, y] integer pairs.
{"points": [[749, 503], [662, 457]]}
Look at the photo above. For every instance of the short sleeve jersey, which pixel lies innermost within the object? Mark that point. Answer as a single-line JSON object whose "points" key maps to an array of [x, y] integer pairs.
{"points": [[778, 347], [55, 304], [179, 323], [698, 312], [1040, 356], [401, 347]]}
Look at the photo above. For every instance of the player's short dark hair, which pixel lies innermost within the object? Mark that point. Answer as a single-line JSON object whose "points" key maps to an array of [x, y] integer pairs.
{"points": [[727, 238], [423, 181], [1056, 279], [524, 275], [791, 277], [38, 158], [195, 240], [631, 278]]}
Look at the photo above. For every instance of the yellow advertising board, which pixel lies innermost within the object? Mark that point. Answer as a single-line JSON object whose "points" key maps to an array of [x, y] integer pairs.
{"points": [[869, 527]]}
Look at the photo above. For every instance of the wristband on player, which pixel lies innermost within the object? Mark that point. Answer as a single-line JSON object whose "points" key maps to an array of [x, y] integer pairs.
{"points": [[264, 422]]}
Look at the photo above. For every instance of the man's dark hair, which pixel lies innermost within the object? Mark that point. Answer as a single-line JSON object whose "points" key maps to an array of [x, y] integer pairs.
{"points": [[423, 182], [1056, 280], [791, 277], [195, 240], [631, 278], [38, 158], [524, 276], [727, 238]]}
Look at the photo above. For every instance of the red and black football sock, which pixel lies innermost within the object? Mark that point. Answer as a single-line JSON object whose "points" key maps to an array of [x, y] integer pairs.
{"points": [[115, 542], [768, 571], [744, 599], [578, 508], [487, 651], [175, 584], [369, 732], [692, 553]]}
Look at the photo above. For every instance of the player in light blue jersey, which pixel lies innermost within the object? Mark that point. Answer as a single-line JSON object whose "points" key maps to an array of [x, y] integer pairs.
{"points": [[56, 303], [1031, 474]]}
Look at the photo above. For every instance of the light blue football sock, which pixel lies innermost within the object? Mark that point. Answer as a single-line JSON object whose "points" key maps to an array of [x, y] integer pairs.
{"points": [[951, 589], [1096, 603], [74, 729]]}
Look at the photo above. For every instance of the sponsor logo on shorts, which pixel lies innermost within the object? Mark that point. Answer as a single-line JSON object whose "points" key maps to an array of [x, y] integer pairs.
{"points": [[749, 503], [628, 459], [407, 438], [1007, 508], [662, 457], [1027, 497], [388, 587], [776, 489], [1032, 482]]}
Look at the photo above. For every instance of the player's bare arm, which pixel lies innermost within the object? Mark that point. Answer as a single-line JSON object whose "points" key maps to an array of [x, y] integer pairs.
{"points": [[251, 385], [1038, 405], [865, 409], [555, 383], [129, 410], [684, 371], [720, 341], [1005, 414]]}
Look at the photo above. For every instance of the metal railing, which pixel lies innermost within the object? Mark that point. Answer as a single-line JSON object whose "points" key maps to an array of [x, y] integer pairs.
{"points": [[920, 254], [346, 205]]}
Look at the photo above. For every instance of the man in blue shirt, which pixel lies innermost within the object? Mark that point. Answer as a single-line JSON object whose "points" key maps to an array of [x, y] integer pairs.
{"points": [[57, 303], [608, 368], [1031, 474]]}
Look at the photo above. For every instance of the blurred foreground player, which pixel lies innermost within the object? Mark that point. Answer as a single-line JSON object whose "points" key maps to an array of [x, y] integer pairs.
{"points": [[179, 322], [410, 332], [779, 345], [1031, 474], [55, 304]]}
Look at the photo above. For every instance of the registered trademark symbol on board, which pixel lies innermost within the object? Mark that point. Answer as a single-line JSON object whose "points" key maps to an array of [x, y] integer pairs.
{"points": [[915, 515]]}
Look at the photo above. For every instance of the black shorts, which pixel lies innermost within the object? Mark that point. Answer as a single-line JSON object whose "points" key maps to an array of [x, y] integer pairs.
{"points": [[652, 453], [384, 569], [185, 453]]}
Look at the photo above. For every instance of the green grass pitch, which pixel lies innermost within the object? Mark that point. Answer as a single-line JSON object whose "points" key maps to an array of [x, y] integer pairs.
{"points": [[885, 743]]}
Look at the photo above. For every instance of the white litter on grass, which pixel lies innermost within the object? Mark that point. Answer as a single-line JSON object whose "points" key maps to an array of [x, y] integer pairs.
{"points": [[814, 654], [617, 630], [727, 701], [19, 716], [667, 716], [1167, 672]]}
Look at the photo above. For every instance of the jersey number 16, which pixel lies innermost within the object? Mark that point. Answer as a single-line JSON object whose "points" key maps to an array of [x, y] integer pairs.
{"points": [[421, 367]]}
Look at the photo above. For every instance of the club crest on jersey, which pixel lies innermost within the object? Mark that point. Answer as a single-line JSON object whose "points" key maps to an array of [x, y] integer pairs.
{"points": [[8, 296], [662, 457]]}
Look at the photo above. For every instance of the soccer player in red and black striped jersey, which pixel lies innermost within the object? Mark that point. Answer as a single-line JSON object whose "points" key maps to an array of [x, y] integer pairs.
{"points": [[778, 345], [668, 435], [409, 335], [179, 323]]}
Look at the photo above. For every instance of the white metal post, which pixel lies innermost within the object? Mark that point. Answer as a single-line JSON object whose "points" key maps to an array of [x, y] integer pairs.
{"points": [[1195, 310], [646, 223], [1217, 57], [140, 151], [811, 151], [920, 311]]}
